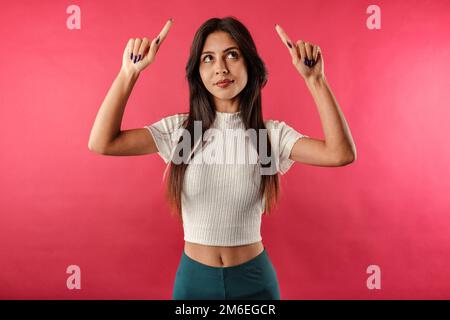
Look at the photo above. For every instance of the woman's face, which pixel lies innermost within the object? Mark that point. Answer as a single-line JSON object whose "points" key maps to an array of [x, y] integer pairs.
{"points": [[218, 62]]}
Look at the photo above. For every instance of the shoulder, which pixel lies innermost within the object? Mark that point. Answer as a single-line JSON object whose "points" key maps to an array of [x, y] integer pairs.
{"points": [[177, 117], [275, 124], [173, 121], [282, 129]]}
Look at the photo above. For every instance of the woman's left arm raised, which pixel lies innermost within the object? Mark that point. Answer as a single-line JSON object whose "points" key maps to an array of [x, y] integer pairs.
{"points": [[338, 148]]}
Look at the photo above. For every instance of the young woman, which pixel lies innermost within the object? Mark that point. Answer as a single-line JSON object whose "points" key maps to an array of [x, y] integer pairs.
{"points": [[220, 204]]}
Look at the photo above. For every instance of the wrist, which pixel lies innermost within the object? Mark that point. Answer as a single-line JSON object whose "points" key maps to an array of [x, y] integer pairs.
{"points": [[129, 74], [315, 81]]}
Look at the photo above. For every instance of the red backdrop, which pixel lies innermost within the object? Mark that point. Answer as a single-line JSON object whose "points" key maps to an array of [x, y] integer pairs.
{"points": [[62, 205]]}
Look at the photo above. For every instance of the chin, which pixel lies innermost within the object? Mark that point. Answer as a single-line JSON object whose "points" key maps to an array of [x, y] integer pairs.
{"points": [[226, 97]]}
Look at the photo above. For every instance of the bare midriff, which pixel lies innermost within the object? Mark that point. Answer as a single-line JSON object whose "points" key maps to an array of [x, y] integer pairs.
{"points": [[218, 256]]}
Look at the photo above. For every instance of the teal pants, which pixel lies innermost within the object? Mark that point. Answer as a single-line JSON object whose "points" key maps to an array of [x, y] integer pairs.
{"points": [[255, 279]]}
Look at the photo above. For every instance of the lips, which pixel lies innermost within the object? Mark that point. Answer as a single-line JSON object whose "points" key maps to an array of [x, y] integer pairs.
{"points": [[224, 81]]}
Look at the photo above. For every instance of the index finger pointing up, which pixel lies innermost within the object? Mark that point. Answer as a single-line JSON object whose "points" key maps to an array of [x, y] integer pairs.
{"points": [[165, 30], [286, 40]]}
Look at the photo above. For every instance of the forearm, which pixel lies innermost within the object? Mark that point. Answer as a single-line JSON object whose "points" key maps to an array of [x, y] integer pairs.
{"points": [[109, 117], [338, 138]]}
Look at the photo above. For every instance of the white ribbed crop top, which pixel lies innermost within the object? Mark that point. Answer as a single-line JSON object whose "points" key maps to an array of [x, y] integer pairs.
{"points": [[220, 202]]}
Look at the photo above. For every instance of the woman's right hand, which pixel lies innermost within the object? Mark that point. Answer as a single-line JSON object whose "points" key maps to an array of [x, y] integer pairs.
{"points": [[139, 53]]}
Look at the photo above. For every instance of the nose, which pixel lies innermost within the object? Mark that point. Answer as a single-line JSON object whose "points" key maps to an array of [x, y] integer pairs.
{"points": [[221, 68]]}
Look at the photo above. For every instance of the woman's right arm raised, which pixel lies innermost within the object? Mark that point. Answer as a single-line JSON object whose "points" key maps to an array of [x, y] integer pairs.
{"points": [[106, 137]]}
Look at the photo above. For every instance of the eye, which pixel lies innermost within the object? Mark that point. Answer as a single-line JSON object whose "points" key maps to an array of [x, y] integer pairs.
{"points": [[204, 58], [235, 55]]}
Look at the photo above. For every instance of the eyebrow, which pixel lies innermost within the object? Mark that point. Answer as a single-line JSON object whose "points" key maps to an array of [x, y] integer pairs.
{"points": [[227, 49]]}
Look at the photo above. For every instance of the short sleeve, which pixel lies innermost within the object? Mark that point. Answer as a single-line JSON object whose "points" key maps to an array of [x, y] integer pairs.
{"points": [[165, 133], [283, 138]]}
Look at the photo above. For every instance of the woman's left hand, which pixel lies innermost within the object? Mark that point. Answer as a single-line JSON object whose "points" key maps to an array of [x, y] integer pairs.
{"points": [[306, 57]]}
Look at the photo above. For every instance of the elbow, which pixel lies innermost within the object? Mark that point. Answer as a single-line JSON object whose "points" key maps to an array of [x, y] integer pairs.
{"points": [[347, 161], [90, 146], [94, 149], [347, 158]]}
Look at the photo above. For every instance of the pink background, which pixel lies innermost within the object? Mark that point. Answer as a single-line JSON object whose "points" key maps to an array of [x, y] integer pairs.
{"points": [[61, 204]]}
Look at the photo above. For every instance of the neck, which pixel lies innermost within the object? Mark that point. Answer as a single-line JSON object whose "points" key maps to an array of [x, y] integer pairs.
{"points": [[227, 106]]}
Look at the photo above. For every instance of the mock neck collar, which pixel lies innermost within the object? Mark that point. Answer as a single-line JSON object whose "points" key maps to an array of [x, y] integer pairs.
{"points": [[228, 119], [228, 115]]}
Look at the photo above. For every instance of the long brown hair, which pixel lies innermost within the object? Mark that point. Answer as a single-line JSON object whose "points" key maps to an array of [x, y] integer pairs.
{"points": [[202, 108]]}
